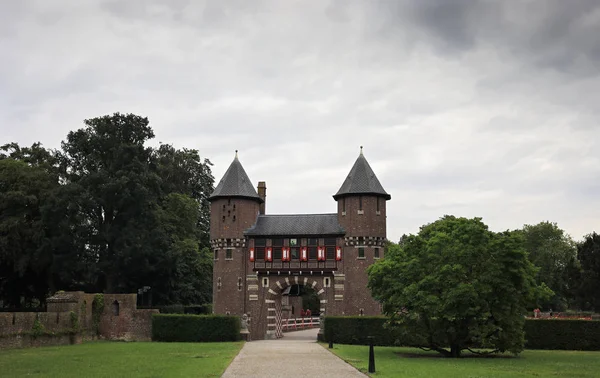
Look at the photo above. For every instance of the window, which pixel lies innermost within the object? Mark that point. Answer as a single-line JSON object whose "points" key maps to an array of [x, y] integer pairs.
{"points": [[293, 242], [344, 205], [223, 218], [259, 248], [240, 283], [277, 245], [376, 253], [361, 311], [330, 244], [377, 204], [216, 254], [360, 204], [219, 284], [312, 248], [115, 308], [326, 282], [265, 282], [294, 253], [234, 218], [361, 252], [229, 254]]}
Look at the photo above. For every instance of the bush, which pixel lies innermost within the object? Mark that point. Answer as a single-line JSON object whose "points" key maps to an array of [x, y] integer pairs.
{"points": [[558, 334], [355, 329], [562, 334], [195, 328]]}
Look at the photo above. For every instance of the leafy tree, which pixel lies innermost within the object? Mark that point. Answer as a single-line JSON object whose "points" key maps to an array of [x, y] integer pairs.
{"points": [[187, 269], [588, 253], [24, 261], [183, 171], [111, 194], [555, 254], [458, 286]]}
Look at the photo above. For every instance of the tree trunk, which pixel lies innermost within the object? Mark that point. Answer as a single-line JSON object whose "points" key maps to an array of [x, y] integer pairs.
{"points": [[455, 351]]}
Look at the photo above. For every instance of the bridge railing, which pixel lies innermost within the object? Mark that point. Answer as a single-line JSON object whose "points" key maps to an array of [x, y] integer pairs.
{"points": [[300, 323]]}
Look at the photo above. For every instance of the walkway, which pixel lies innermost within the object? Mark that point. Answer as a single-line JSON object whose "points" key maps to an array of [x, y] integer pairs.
{"points": [[296, 354]]}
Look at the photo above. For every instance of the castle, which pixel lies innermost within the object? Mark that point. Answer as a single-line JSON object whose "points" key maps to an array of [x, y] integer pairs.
{"points": [[259, 257]]}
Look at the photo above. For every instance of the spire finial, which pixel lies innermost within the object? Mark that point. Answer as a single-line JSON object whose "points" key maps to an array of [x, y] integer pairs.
{"points": [[236, 154], [361, 150]]}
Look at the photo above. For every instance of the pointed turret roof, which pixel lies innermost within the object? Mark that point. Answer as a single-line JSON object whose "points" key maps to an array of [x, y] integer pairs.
{"points": [[361, 180], [235, 183]]}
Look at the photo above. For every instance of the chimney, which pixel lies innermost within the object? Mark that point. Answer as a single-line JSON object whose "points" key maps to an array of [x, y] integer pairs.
{"points": [[262, 193]]}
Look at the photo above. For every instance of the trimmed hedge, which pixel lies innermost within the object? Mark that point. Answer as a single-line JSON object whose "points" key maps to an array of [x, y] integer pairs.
{"points": [[204, 309], [562, 334], [195, 328], [355, 329], [558, 334]]}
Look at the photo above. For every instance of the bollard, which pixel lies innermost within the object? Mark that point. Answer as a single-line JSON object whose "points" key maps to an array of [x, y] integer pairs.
{"points": [[371, 355]]}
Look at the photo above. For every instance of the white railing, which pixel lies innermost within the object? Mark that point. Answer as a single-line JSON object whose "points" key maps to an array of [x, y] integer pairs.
{"points": [[296, 324]]}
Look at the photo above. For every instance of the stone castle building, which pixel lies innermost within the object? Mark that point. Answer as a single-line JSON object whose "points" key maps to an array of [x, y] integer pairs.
{"points": [[259, 257]]}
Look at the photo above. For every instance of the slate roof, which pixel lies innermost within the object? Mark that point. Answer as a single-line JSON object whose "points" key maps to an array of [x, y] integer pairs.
{"points": [[361, 180], [235, 183], [296, 225]]}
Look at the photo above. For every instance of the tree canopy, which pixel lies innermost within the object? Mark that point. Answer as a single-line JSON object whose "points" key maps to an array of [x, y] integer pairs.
{"points": [[458, 286], [588, 252], [555, 254], [105, 213]]}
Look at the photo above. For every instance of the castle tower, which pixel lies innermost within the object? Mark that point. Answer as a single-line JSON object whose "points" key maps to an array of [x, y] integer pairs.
{"points": [[362, 213], [234, 207]]}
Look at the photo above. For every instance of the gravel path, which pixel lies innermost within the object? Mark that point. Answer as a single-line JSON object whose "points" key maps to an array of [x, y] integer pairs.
{"points": [[296, 354]]}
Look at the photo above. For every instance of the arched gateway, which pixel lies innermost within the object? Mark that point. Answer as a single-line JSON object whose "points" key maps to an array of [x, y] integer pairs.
{"points": [[258, 255], [273, 301]]}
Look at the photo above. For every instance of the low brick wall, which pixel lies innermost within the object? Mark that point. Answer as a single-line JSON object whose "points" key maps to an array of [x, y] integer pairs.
{"points": [[70, 318]]}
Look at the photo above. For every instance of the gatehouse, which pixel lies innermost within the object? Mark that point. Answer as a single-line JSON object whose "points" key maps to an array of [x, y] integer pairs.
{"points": [[262, 262]]}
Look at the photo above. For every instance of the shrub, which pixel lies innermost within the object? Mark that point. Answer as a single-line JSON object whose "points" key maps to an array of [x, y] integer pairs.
{"points": [[558, 334], [562, 334], [356, 329], [195, 328]]}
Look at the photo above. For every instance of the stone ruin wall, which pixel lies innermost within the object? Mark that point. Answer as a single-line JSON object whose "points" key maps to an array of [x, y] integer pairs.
{"points": [[120, 320]]}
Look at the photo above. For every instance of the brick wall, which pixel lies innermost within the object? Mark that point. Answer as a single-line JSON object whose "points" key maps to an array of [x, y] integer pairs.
{"points": [[128, 323]]}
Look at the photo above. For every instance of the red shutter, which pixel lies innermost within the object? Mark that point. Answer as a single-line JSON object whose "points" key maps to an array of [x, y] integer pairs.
{"points": [[338, 253], [252, 254]]}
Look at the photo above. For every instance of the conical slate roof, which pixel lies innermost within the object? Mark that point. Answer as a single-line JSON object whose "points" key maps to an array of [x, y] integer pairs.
{"points": [[361, 180], [235, 183]]}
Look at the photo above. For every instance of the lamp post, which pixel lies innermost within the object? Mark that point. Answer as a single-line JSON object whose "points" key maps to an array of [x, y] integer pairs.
{"points": [[371, 355]]}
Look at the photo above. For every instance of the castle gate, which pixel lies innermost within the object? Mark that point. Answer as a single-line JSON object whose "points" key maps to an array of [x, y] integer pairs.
{"points": [[274, 317]]}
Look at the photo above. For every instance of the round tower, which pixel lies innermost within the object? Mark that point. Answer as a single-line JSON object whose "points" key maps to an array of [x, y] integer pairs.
{"points": [[361, 202]]}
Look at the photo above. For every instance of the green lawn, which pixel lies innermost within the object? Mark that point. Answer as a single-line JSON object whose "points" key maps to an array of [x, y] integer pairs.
{"points": [[119, 359], [414, 363]]}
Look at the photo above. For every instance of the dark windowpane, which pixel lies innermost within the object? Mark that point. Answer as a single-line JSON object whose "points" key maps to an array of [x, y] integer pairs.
{"points": [[330, 253], [376, 252], [216, 254], [294, 253], [313, 242], [360, 203], [294, 242], [260, 242], [277, 253], [277, 242], [361, 252], [330, 241], [260, 253], [312, 253], [228, 253], [377, 203]]}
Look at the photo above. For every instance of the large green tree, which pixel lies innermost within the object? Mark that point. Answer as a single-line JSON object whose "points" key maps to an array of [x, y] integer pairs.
{"points": [[588, 253], [456, 285], [25, 260], [555, 254]]}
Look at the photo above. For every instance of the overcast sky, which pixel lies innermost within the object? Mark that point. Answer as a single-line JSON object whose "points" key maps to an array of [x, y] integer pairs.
{"points": [[468, 108]]}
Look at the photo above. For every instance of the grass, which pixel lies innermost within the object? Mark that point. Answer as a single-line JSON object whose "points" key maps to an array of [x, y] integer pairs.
{"points": [[415, 363], [119, 359]]}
